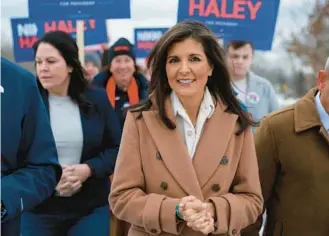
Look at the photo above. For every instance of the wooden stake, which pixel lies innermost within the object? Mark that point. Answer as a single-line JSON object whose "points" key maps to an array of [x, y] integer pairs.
{"points": [[81, 41]]}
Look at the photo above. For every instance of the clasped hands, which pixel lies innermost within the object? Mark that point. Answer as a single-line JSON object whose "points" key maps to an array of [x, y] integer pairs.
{"points": [[72, 178], [198, 215]]}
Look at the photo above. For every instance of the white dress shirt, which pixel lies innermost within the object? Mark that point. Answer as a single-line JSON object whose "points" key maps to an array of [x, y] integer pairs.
{"points": [[324, 116], [190, 133]]}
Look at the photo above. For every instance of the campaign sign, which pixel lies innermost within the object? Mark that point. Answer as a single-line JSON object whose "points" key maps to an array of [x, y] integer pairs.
{"points": [[247, 20], [26, 32], [145, 39], [78, 9]]}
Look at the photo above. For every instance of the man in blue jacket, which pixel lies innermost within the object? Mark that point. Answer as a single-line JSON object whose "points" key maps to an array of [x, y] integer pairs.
{"points": [[255, 92], [29, 165]]}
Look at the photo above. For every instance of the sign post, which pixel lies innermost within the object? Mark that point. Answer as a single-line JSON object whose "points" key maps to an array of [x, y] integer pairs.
{"points": [[81, 41]]}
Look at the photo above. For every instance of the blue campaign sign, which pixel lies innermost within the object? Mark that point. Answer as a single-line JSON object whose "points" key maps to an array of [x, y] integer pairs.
{"points": [[79, 9], [145, 39], [26, 32], [247, 20]]}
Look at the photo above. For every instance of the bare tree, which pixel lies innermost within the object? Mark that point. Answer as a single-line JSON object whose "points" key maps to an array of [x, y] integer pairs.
{"points": [[310, 46]]}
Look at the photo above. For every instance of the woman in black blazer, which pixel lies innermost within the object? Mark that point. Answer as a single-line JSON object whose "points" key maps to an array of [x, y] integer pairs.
{"points": [[87, 136]]}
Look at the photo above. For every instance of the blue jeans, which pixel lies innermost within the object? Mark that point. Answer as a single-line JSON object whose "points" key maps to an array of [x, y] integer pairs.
{"points": [[95, 223]]}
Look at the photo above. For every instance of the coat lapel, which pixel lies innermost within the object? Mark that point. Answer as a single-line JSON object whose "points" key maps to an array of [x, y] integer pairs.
{"points": [[306, 115], [324, 133], [85, 122], [174, 153], [213, 143]]}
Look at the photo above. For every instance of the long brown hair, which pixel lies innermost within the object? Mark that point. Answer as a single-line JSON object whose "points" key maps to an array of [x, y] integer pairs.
{"points": [[219, 83]]}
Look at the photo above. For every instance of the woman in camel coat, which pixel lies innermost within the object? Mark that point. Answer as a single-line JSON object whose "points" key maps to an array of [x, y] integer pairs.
{"points": [[187, 164]]}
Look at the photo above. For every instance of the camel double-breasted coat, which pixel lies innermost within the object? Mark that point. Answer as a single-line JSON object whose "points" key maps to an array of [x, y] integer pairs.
{"points": [[154, 171]]}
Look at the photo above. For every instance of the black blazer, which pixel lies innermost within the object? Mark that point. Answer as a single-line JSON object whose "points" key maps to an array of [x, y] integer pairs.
{"points": [[101, 141]]}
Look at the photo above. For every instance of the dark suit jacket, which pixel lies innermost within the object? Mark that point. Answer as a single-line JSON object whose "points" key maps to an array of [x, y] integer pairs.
{"points": [[29, 165], [101, 140]]}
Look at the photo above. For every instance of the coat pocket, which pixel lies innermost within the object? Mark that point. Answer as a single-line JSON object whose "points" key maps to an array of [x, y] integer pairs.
{"points": [[137, 231]]}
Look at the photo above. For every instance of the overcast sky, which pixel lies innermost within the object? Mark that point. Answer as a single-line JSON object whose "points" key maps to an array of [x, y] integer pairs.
{"points": [[162, 13]]}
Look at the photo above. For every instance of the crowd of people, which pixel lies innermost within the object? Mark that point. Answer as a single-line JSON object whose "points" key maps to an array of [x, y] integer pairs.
{"points": [[198, 146]]}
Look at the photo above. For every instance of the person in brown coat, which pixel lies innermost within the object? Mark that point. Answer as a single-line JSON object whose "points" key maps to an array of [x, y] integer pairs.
{"points": [[292, 147], [187, 164]]}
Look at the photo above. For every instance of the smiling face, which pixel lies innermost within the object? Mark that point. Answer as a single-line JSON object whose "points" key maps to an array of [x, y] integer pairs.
{"points": [[187, 69], [123, 68]]}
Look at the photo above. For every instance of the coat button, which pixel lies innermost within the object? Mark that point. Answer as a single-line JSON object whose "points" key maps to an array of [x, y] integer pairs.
{"points": [[224, 160], [158, 155], [215, 188], [234, 231], [154, 231], [164, 186]]}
